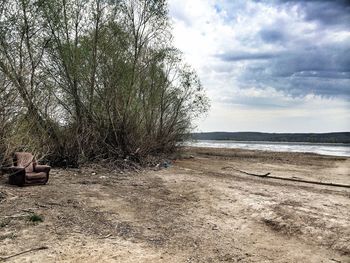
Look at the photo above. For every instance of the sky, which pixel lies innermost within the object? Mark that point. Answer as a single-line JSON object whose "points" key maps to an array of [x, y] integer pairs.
{"points": [[268, 66]]}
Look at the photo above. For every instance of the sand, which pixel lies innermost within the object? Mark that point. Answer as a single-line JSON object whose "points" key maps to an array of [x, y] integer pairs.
{"points": [[195, 211]]}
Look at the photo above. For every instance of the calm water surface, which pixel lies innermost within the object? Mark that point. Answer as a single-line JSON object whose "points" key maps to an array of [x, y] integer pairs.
{"points": [[336, 149]]}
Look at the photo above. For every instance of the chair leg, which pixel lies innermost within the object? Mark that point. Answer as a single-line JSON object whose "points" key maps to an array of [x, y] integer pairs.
{"points": [[47, 178]]}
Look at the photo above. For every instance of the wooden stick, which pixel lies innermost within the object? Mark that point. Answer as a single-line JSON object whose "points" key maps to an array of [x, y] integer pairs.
{"points": [[259, 175], [23, 252], [310, 182], [267, 175]]}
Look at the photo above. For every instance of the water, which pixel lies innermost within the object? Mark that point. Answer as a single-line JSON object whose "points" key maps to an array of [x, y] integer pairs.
{"points": [[334, 149]]}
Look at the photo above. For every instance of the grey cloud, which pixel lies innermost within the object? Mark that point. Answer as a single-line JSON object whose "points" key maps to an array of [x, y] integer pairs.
{"points": [[308, 64], [321, 59], [237, 56], [322, 71], [298, 85], [320, 86], [258, 102], [272, 35], [326, 12], [322, 74]]}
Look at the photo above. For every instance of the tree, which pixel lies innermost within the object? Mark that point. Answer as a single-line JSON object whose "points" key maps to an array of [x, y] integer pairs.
{"points": [[105, 82]]}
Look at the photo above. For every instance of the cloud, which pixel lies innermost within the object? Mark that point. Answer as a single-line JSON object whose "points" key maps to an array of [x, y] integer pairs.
{"points": [[310, 114], [326, 12], [301, 71], [272, 35], [294, 55], [236, 56], [268, 55]]}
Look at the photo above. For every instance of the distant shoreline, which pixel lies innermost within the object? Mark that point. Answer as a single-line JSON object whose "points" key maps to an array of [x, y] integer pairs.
{"points": [[277, 142], [333, 137]]}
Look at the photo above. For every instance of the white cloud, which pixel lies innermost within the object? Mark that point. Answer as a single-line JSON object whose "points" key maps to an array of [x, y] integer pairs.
{"points": [[248, 94]]}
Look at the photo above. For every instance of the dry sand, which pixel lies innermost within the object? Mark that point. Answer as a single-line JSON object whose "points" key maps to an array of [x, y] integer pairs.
{"points": [[194, 211]]}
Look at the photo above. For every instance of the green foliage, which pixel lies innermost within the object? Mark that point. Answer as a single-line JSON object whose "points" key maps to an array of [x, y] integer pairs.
{"points": [[35, 218], [94, 79]]}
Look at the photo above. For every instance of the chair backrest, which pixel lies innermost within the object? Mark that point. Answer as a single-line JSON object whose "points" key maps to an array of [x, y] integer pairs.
{"points": [[24, 160]]}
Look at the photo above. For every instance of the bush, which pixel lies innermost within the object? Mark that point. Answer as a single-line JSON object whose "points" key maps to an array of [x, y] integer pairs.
{"points": [[97, 79]]}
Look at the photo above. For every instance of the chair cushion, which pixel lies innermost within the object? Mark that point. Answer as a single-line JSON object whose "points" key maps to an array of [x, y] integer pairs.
{"points": [[25, 160], [36, 176]]}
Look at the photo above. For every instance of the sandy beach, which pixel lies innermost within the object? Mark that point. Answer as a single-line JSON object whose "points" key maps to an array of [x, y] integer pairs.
{"points": [[202, 208]]}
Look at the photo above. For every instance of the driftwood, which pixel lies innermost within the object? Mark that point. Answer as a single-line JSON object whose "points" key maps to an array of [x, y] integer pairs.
{"points": [[23, 252], [259, 175], [310, 182], [267, 175], [109, 235]]}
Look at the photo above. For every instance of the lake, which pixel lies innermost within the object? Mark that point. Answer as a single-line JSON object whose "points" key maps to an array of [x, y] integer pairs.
{"points": [[334, 149]]}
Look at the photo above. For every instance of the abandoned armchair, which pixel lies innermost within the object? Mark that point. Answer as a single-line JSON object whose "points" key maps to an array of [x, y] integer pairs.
{"points": [[25, 170]]}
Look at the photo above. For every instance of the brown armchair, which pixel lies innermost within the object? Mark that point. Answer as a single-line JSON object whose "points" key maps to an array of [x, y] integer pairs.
{"points": [[25, 170]]}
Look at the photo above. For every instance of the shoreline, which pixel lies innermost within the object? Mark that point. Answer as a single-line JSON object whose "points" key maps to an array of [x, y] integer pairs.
{"points": [[341, 150], [233, 152]]}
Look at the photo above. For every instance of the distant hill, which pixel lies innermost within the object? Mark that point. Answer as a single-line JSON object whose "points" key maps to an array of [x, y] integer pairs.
{"points": [[333, 137]]}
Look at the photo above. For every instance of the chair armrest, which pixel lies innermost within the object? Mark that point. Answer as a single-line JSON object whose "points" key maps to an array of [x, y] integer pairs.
{"points": [[42, 168], [11, 170]]}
